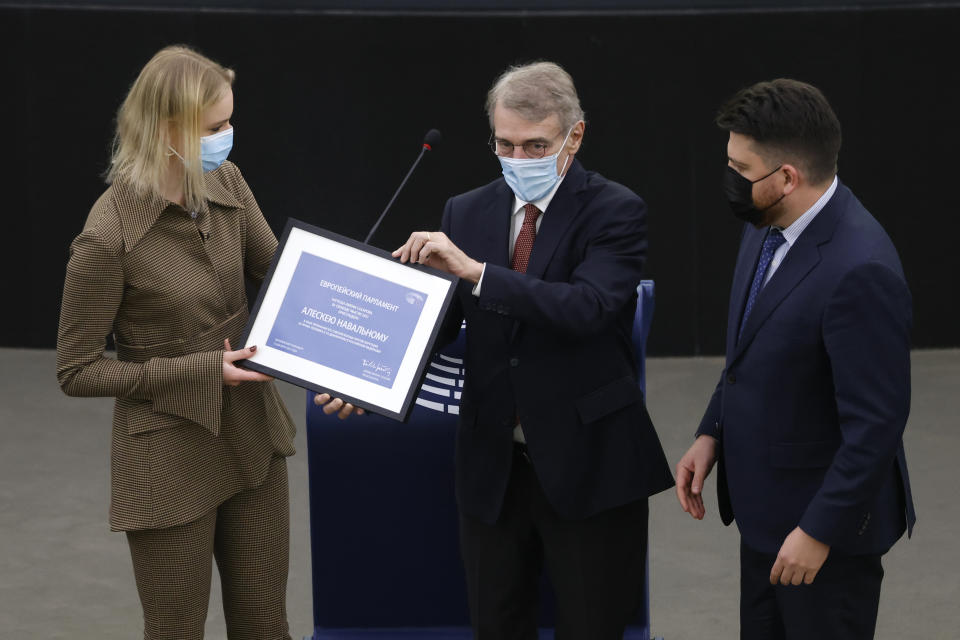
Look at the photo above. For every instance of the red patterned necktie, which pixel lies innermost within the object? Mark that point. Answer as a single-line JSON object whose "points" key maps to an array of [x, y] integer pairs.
{"points": [[524, 244]]}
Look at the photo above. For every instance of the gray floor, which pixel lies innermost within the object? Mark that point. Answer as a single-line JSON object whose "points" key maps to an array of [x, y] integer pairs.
{"points": [[64, 575]]}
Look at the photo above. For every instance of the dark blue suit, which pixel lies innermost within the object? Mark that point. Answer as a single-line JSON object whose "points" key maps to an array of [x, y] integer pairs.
{"points": [[552, 348], [811, 407]]}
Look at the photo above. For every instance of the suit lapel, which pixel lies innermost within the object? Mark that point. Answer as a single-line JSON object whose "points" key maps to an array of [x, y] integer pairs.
{"points": [[495, 226], [801, 259], [560, 213], [750, 246]]}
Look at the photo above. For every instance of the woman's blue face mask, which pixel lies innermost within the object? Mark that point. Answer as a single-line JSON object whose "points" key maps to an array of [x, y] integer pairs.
{"points": [[215, 148]]}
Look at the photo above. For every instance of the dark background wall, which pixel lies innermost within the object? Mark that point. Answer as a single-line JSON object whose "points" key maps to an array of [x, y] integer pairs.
{"points": [[331, 107]]}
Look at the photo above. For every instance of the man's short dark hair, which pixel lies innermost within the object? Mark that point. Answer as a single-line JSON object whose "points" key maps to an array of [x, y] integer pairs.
{"points": [[791, 121]]}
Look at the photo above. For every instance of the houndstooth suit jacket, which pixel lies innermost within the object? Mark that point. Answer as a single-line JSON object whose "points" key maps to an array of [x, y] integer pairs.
{"points": [[170, 288]]}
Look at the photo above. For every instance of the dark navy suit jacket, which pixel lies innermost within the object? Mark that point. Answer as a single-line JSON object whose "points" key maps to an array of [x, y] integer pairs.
{"points": [[552, 347], [811, 407]]}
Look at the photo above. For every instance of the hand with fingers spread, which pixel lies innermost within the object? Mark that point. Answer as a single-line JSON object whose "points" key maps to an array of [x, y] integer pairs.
{"points": [[692, 471], [434, 249], [336, 405], [234, 375], [799, 559]]}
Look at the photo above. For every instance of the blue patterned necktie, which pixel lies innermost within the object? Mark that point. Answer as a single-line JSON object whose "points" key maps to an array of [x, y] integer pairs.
{"points": [[770, 244]]}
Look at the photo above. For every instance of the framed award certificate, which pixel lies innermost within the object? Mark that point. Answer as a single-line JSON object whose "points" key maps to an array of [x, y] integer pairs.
{"points": [[340, 317]]}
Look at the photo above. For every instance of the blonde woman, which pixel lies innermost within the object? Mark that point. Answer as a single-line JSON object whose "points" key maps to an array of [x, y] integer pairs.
{"points": [[199, 445]]}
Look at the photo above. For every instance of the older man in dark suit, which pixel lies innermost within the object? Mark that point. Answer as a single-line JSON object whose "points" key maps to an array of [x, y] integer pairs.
{"points": [[556, 454], [808, 417]]}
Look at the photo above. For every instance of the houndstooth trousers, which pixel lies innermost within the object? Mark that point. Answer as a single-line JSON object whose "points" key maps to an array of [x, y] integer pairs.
{"points": [[249, 536]]}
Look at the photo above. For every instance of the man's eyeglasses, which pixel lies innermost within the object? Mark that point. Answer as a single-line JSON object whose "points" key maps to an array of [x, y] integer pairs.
{"points": [[531, 148]]}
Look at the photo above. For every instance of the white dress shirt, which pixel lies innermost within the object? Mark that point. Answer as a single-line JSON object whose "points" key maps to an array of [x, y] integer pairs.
{"points": [[516, 221], [792, 233]]}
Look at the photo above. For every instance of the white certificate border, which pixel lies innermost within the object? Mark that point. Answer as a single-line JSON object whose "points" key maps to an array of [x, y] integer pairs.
{"points": [[299, 238]]}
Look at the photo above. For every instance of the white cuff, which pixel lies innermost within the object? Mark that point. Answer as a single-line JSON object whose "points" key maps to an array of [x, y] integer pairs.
{"points": [[476, 287]]}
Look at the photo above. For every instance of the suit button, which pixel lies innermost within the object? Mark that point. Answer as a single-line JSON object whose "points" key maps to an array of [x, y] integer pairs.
{"points": [[731, 379], [514, 362]]}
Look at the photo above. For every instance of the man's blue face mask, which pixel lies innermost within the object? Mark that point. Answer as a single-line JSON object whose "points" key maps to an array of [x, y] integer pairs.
{"points": [[532, 178]]}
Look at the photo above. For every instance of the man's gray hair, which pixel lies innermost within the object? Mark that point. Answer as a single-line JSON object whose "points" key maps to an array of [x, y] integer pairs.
{"points": [[535, 91]]}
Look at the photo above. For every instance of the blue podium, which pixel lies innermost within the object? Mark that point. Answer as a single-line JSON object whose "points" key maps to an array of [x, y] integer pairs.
{"points": [[383, 517]]}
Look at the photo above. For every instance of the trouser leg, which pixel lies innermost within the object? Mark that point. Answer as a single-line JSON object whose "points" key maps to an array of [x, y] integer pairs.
{"points": [[252, 548], [597, 567], [502, 562], [840, 604], [172, 569], [759, 612]]}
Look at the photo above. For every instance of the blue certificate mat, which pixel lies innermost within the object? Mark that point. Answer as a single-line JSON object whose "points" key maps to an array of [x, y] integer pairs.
{"points": [[347, 318]]}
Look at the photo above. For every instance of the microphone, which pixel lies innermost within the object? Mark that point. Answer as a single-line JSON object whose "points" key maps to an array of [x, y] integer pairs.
{"points": [[430, 142]]}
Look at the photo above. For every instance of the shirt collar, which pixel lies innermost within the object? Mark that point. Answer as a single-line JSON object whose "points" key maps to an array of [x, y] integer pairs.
{"points": [[792, 233], [216, 190], [540, 204], [138, 213]]}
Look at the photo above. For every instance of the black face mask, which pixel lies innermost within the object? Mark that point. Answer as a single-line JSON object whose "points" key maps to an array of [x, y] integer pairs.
{"points": [[739, 193]]}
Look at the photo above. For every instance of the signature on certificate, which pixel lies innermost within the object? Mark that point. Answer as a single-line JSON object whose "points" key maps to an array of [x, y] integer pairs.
{"points": [[376, 367]]}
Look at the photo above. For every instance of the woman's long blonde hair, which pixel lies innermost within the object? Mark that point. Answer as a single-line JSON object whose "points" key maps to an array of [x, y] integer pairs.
{"points": [[167, 99]]}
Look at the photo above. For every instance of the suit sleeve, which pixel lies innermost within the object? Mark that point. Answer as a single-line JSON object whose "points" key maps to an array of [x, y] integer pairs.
{"points": [[710, 424], [866, 329], [189, 386], [712, 421], [600, 285], [454, 319]]}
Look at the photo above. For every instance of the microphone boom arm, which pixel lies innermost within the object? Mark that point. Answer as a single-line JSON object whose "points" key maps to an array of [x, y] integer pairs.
{"points": [[373, 229]]}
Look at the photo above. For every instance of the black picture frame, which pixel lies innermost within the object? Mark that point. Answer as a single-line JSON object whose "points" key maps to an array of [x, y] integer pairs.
{"points": [[355, 255]]}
